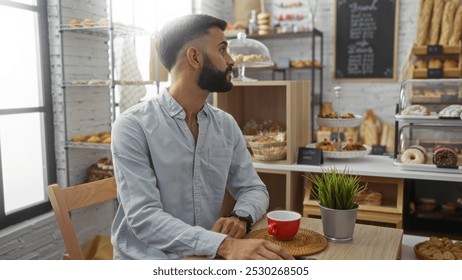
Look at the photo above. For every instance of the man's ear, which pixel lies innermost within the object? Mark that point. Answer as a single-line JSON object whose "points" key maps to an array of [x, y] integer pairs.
{"points": [[194, 57]]}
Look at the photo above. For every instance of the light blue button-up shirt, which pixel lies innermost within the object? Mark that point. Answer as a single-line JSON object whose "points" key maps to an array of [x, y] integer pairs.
{"points": [[171, 188]]}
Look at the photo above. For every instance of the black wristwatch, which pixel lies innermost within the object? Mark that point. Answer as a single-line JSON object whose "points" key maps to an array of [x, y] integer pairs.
{"points": [[243, 216]]}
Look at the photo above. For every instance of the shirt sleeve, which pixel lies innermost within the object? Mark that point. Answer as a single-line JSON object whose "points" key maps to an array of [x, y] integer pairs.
{"points": [[244, 184], [140, 198]]}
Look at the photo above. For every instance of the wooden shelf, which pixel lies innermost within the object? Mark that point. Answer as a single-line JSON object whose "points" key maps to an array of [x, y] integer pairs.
{"points": [[390, 211], [285, 102], [424, 50], [288, 103]]}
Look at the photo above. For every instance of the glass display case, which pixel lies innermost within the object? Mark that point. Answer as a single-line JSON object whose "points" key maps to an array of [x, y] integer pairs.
{"points": [[429, 126], [248, 53]]}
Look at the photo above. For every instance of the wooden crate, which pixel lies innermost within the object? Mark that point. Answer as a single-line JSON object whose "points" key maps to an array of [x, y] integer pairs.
{"points": [[447, 52], [389, 212], [285, 102]]}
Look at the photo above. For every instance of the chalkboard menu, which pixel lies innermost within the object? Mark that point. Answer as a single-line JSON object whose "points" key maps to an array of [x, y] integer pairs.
{"points": [[365, 46]]}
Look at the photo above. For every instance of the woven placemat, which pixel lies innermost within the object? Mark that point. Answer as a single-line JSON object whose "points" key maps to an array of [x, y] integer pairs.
{"points": [[305, 243]]}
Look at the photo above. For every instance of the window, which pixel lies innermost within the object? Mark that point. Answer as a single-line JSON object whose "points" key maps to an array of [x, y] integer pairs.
{"points": [[27, 161]]}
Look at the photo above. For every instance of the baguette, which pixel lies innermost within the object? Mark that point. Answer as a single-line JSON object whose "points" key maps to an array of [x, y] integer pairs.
{"points": [[437, 15], [457, 32], [424, 22], [447, 23]]}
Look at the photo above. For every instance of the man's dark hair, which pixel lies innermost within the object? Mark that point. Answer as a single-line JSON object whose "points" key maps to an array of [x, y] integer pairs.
{"points": [[176, 33]]}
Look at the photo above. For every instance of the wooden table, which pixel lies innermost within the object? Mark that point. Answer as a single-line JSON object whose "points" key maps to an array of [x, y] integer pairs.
{"points": [[369, 242]]}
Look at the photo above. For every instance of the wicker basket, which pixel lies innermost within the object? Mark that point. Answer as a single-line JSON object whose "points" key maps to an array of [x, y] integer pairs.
{"points": [[268, 150]]}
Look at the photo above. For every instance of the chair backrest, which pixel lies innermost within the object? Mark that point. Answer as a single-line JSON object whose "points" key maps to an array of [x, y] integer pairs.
{"points": [[65, 200]]}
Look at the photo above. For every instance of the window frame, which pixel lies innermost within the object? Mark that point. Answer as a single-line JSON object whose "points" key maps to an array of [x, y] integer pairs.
{"points": [[31, 211]]}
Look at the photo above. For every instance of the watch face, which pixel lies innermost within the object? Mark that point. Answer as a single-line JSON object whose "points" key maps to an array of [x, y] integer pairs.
{"points": [[241, 213]]}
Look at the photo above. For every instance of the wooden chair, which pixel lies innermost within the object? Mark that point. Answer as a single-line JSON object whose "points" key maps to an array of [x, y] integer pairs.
{"points": [[65, 200]]}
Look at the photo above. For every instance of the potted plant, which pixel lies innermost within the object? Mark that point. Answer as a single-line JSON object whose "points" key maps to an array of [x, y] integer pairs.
{"points": [[336, 193]]}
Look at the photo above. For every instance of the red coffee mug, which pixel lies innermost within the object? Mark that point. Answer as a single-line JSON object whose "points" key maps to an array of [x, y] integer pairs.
{"points": [[283, 224]]}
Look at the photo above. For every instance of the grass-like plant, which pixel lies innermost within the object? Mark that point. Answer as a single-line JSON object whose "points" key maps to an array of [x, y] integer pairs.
{"points": [[336, 190]]}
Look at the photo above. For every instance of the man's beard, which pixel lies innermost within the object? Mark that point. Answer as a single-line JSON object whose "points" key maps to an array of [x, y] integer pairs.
{"points": [[212, 79]]}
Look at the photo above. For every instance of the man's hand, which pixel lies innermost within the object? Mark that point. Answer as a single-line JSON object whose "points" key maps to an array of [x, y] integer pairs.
{"points": [[251, 249], [231, 226]]}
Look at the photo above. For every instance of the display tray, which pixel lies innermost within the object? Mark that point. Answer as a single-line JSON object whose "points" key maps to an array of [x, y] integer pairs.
{"points": [[426, 167], [429, 117], [259, 64], [343, 154], [331, 122]]}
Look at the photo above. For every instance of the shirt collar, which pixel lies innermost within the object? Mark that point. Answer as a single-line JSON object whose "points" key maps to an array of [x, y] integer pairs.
{"points": [[174, 108]]}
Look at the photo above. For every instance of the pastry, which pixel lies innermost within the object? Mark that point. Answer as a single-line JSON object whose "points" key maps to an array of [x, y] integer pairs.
{"points": [[445, 156], [350, 146], [413, 156], [104, 135], [94, 139], [239, 58], [79, 138], [435, 63], [103, 22], [262, 16], [74, 22], [87, 22], [263, 22], [422, 149], [420, 64], [326, 145], [348, 116], [104, 163], [450, 63], [297, 64], [416, 110], [452, 111], [107, 140], [439, 249]]}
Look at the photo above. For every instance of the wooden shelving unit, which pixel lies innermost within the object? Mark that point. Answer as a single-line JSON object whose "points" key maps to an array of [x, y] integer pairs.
{"points": [[285, 102], [389, 212], [288, 103]]}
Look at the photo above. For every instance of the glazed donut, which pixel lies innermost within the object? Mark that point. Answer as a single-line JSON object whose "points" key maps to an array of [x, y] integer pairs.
{"points": [[422, 149], [413, 156], [445, 156]]}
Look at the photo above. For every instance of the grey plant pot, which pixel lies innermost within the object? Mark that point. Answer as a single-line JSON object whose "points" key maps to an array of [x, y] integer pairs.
{"points": [[338, 225]]}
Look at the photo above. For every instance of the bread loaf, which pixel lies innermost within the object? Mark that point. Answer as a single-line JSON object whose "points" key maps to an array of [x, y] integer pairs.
{"points": [[424, 22], [457, 32], [370, 129], [435, 63], [420, 64], [388, 137], [447, 23], [437, 15]]}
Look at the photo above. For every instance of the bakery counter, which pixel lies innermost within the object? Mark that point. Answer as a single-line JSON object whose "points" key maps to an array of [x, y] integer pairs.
{"points": [[370, 165]]}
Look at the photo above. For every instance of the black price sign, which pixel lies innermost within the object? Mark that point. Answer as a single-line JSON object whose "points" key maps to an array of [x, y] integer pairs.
{"points": [[378, 150], [435, 49], [436, 73], [310, 156]]}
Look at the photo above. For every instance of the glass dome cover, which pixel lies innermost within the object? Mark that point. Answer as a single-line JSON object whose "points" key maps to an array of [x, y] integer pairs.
{"points": [[249, 52]]}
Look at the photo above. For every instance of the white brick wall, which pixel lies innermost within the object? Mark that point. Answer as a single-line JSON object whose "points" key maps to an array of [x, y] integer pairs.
{"points": [[40, 238], [86, 57], [357, 97]]}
